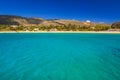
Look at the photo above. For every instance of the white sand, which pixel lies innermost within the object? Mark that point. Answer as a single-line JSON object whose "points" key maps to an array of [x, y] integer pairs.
{"points": [[116, 32]]}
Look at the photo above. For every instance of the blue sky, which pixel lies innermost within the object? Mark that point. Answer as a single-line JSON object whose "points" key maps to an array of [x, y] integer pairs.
{"points": [[94, 10]]}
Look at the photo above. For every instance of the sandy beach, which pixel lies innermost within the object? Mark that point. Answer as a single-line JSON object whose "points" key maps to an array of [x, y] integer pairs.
{"points": [[111, 32]]}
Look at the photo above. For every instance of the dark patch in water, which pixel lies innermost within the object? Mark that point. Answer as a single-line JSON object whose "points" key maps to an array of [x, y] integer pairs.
{"points": [[118, 49], [49, 77], [116, 52]]}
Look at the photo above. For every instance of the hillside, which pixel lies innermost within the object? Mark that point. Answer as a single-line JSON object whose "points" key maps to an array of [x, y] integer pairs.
{"points": [[18, 23], [23, 21], [116, 25], [18, 20]]}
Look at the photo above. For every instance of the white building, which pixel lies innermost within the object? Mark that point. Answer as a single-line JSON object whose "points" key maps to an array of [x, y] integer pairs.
{"points": [[88, 21]]}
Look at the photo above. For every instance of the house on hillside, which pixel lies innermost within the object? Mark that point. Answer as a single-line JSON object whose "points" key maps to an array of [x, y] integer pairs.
{"points": [[36, 29], [53, 29], [118, 30], [88, 23], [14, 26]]}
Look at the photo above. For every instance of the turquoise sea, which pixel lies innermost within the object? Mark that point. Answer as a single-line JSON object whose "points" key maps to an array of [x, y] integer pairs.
{"points": [[59, 56]]}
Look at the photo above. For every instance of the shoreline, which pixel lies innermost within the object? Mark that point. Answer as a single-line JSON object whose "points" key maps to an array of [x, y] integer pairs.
{"points": [[111, 32]]}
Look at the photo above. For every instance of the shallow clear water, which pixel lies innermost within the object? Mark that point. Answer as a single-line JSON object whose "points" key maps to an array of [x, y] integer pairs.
{"points": [[59, 56]]}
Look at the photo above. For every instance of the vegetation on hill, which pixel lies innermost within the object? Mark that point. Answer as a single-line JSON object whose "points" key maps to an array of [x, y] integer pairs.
{"points": [[17, 23]]}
